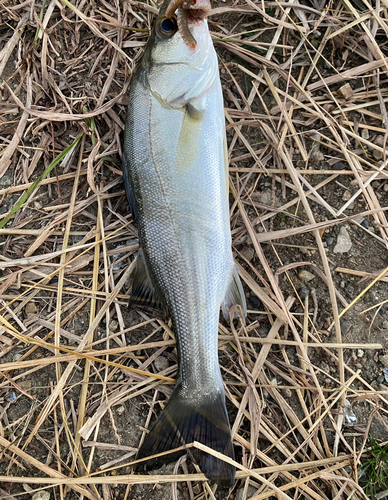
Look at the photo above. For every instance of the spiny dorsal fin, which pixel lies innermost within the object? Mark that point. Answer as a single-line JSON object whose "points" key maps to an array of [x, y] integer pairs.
{"points": [[143, 294], [234, 296]]}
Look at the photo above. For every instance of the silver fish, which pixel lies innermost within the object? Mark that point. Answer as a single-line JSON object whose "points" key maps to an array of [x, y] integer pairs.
{"points": [[176, 178]]}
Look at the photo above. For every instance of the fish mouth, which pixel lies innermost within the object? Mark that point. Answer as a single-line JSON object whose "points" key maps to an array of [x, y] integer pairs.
{"points": [[188, 12]]}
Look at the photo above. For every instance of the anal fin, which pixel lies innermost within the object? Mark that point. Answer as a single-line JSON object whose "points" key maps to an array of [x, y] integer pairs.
{"points": [[234, 296], [143, 294]]}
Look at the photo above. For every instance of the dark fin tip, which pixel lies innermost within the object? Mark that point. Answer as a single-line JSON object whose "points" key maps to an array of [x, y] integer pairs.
{"points": [[181, 424]]}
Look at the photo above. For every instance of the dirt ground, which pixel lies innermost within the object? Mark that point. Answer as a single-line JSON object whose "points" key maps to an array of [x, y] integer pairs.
{"points": [[292, 238]]}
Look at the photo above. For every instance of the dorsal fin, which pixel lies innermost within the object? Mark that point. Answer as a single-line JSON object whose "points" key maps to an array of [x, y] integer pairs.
{"points": [[143, 294]]}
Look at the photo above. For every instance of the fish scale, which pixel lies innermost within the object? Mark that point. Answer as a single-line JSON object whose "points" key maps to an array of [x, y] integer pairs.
{"points": [[176, 180]]}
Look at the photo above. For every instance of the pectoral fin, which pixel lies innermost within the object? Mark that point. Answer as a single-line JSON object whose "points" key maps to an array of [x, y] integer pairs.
{"points": [[143, 294], [234, 296], [189, 139]]}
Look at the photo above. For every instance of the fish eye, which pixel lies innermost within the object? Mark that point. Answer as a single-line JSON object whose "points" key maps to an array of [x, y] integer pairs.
{"points": [[166, 27]]}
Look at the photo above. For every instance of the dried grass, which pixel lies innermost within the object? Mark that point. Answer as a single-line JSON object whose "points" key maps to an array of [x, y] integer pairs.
{"points": [[68, 245]]}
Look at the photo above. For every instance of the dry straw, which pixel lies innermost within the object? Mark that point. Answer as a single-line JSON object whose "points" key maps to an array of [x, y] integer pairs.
{"points": [[305, 90]]}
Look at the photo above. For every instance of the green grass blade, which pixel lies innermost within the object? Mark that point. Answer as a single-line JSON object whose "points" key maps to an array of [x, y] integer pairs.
{"points": [[41, 19], [25, 196]]}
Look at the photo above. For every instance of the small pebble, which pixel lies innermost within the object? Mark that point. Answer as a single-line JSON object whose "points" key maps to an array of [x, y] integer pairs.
{"points": [[30, 308], [344, 243], [6, 180], [385, 325], [316, 157], [3, 209], [196, 489], [161, 363], [329, 241], [303, 293], [250, 493], [365, 133], [385, 187], [380, 379], [287, 393], [114, 325], [377, 155], [255, 302], [382, 310], [16, 357], [248, 252], [347, 195], [379, 140], [120, 410], [41, 495], [360, 353], [384, 360], [365, 223], [350, 417], [327, 64], [385, 372], [339, 166], [25, 384], [347, 91], [306, 275], [10, 397]]}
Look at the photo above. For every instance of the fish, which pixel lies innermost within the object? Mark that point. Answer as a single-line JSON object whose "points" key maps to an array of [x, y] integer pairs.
{"points": [[175, 170]]}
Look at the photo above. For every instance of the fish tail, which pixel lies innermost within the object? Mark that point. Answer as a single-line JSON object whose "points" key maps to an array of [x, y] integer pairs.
{"points": [[183, 422]]}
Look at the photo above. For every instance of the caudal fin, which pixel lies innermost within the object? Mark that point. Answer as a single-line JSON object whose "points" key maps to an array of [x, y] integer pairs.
{"points": [[183, 422]]}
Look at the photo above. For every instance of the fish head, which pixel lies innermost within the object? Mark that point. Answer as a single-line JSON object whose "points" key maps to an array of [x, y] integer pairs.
{"points": [[179, 69]]}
